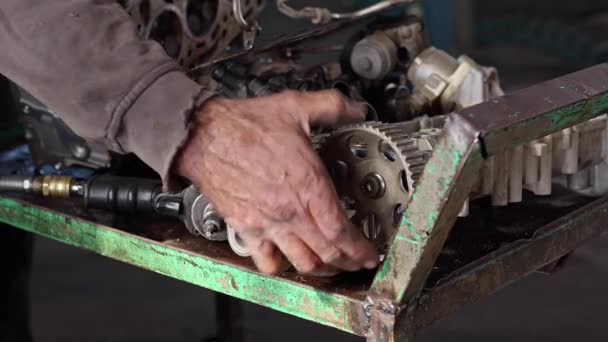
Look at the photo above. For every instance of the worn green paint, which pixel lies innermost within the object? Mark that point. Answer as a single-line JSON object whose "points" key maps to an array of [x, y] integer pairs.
{"points": [[567, 116], [431, 219], [409, 256], [384, 268], [282, 295], [416, 236], [542, 125], [456, 158]]}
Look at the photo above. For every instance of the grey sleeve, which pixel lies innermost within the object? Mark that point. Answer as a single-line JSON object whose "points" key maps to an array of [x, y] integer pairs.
{"points": [[84, 59]]}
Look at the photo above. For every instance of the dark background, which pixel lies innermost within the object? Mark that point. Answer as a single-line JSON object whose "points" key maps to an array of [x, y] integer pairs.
{"points": [[80, 296]]}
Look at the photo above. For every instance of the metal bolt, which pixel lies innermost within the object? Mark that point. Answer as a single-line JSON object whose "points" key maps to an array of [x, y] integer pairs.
{"points": [[210, 227], [373, 185], [248, 45], [80, 152]]}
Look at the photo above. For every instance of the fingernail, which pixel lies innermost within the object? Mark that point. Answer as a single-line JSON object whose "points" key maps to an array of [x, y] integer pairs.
{"points": [[370, 265]]}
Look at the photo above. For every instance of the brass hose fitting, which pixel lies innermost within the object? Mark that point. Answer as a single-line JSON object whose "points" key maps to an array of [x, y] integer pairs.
{"points": [[55, 186], [48, 186]]}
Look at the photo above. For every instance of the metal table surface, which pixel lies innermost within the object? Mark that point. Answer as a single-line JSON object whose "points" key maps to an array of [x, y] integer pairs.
{"points": [[480, 256], [435, 263]]}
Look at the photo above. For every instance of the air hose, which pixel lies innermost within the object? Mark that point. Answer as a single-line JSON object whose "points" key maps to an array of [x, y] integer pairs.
{"points": [[119, 194]]}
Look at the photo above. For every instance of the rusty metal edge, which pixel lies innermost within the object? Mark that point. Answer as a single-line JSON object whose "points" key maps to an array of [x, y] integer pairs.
{"points": [[506, 265], [545, 108], [431, 212], [293, 298], [497, 125]]}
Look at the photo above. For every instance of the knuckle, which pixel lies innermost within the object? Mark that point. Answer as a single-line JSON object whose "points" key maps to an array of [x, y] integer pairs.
{"points": [[359, 254], [365, 251], [334, 234], [283, 234], [331, 255], [283, 211], [291, 101], [246, 223], [250, 222], [216, 104], [253, 240]]}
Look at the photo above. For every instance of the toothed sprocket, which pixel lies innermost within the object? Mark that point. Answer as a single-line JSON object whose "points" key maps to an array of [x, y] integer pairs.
{"points": [[374, 167]]}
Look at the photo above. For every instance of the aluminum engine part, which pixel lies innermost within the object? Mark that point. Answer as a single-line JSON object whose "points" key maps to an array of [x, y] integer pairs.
{"points": [[579, 153], [410, 40], [191, 31], [374, 56], [453, 84], [561, 157], [575, 158], [374, 167], [590, 180]]}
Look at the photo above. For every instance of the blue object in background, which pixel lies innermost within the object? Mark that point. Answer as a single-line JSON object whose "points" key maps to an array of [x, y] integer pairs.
{"points": [[18, 161]]}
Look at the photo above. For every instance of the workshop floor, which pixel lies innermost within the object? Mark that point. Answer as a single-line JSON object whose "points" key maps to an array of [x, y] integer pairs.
{"points": [[80, 296]]}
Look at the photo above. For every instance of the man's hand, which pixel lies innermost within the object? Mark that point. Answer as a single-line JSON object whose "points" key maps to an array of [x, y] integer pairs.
{"points": [[253, 159]]}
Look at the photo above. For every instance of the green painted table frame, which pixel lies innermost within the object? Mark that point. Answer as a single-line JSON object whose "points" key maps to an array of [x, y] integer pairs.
{"points": [[393, 306]]}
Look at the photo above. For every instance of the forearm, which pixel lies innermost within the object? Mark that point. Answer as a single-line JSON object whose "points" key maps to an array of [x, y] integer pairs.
{"points": [[86, 62]]}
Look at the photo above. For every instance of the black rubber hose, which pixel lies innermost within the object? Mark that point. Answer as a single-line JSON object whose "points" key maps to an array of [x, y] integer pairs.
{"points": [[12, 183]]}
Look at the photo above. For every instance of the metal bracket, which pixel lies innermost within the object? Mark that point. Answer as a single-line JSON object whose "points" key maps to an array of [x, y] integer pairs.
{"points": [[250, 30]]}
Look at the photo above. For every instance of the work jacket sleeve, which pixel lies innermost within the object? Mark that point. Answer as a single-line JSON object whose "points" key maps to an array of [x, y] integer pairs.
{"points": [[86, 62]]}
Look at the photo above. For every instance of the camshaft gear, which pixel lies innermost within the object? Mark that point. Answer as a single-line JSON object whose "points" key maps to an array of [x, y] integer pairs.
{"points": [[374, 167]]}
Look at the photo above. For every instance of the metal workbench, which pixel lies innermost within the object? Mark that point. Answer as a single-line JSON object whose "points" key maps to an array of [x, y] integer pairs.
{"points": [[436, 262]]}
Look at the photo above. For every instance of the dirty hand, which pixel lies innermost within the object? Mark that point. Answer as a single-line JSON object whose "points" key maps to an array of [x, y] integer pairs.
{"points": [[253, 159]]}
